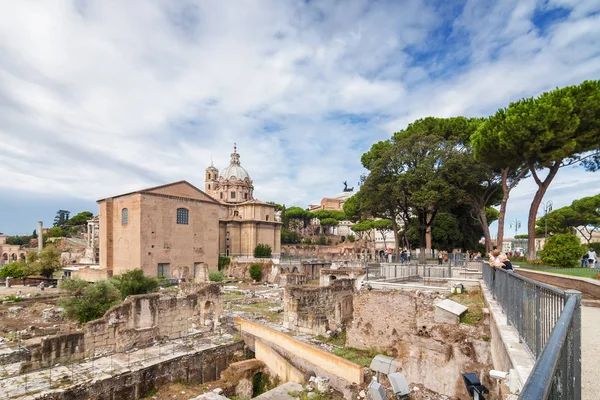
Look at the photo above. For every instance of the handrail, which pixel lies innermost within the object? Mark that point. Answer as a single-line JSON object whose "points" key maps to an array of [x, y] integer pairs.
{"points": [[548, 321], [539, 384]]}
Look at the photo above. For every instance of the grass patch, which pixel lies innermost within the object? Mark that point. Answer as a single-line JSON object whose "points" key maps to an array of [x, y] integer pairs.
{"points": [[474, 301], [357, 356], [13, 298], [580, 272], [315, 395]]}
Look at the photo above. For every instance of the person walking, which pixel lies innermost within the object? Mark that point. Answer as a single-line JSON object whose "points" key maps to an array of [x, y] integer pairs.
{"points": [[440, 257]]}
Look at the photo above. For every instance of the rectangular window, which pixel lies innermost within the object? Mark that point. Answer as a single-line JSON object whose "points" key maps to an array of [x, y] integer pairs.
{"points": [[182, 216], [163, 270], [233, 195], [124, 216]]}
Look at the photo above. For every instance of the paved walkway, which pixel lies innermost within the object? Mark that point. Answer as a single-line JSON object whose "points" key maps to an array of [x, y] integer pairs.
{"points": [[590, 353]]}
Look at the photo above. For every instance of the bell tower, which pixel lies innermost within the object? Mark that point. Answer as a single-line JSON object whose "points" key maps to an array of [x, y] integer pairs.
{"points": [[210, 181]]}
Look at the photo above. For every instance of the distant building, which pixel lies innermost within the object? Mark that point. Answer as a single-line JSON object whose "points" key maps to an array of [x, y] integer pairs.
{"points": [[10, 252], [178, 231]]}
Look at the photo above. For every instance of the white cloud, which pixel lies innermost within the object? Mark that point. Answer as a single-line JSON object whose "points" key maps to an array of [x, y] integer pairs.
{"points": [[102, 97]]}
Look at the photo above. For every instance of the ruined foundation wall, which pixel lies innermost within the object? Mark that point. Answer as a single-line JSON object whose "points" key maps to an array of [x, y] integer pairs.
{"points": [[201, 367], [136, 322], [316, 310], [402, 324]]}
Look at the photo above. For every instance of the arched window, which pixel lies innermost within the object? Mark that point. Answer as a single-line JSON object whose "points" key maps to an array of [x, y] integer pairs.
{"points": [[182, 216], [124, 216]]}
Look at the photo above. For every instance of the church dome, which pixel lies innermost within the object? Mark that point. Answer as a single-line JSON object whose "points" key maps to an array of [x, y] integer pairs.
{"points": [[234, 170]]}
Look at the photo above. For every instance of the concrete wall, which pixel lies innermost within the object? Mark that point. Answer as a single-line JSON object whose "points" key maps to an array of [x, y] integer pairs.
{"points": [[137, 322], [201, 367], [278, 365], [589, 288], [317, 310], [331, 363]]}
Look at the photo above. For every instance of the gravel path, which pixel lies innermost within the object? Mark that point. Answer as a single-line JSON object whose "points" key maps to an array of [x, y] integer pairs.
{"points": [[590, 353]]}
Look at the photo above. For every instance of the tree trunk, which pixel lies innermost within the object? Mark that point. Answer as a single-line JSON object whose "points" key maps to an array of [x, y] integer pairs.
{"points": [[486, 229], [396, 237], [502, 212], [535, 205], [422, 236]]}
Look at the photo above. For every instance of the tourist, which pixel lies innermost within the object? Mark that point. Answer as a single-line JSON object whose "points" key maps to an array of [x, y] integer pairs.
{"points": [[477, 257], [503, 262], [493, 255], [584, 260], [591, 258], [440, 257]]}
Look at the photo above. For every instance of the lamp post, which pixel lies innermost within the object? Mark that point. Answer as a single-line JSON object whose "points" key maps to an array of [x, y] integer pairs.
{"points": [[547, 206], [517, 225]]}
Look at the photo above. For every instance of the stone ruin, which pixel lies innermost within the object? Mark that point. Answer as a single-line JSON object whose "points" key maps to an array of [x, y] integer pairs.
{"points": [[138, 322]]}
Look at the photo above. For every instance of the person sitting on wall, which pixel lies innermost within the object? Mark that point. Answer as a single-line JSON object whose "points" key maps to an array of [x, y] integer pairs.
{"points": [[503, 262]]}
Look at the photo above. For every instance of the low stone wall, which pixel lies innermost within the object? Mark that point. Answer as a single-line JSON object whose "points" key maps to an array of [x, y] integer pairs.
{"points": [[136, 322], [312, 269], [292, 279], [240, 268], [317, 310], [201, 367], [330, 363], [589, 288], [402, 324]]}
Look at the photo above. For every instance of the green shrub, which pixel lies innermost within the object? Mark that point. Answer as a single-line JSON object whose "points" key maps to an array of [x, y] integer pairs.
{"points": [[255, 272], [563, 250], [322, 239], [329, 241], [351, 238], [73, 287], [215, 276], [134, 282], [262, 251], [17, 269], [307, 241], [93, 301], [13, 298], [223, 262]]}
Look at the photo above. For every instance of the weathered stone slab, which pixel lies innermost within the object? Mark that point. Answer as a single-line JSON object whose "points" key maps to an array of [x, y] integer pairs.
{"points": [[449, 312]]}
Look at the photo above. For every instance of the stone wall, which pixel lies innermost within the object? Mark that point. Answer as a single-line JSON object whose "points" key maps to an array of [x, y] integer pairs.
{"points": [[317, 310], [137, 322], [240, 267], [292, 279], [401, 323], [201, 367]]}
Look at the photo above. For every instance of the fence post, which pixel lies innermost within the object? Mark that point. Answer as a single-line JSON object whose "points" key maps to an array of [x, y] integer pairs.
{"points": [[576, 326]]}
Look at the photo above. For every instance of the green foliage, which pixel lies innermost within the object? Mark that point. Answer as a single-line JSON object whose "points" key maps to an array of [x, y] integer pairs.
{"points": [[94, 300], [55, 232], [134, 282], [351, 238], [522, 236], [73, 287], [255, 271], [48, 262], [18, 240], [215, 276], [31, 257], [352, 209], [223, 262], [262, 251], [307, 241], [62, 216], [290, 237], [17, 269], [329, 222], [80, 219], [562, 250], [34, 234], [322, 239], [13, 298]]}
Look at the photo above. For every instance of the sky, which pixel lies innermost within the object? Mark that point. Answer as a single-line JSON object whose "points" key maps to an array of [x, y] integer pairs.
{"points": [[99, 98]]}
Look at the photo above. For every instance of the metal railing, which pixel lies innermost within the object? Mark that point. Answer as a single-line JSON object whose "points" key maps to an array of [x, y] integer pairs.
{"points": [[396, 272], [548, 321]]}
